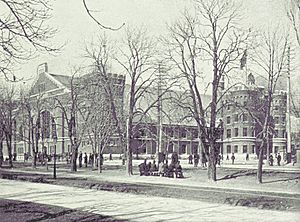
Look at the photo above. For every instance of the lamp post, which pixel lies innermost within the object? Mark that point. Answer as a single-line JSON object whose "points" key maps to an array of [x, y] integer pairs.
{"points": [[54, 138]]}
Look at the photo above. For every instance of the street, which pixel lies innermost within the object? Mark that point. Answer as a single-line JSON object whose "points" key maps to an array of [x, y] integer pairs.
{"points": [[135, 207]]}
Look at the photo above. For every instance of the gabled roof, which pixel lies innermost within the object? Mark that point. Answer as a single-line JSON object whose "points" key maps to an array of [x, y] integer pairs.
{"points": [[65, 80]]}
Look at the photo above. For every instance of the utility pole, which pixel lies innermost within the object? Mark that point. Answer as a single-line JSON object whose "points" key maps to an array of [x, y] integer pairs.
{"points": [[159, 115], [288, 116]]}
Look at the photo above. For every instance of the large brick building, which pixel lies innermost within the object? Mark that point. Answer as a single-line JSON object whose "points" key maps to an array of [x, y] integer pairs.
{"points": [[241, 116], [179, 134]]}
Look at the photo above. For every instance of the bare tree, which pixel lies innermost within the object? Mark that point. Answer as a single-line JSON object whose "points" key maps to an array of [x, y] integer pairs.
{"points": [[101, 25], [212, 35], [24, 31], [271, 57], [7, 118], [100, 125], [293, 13], [137, 60], [70, 105], [100, 53]]}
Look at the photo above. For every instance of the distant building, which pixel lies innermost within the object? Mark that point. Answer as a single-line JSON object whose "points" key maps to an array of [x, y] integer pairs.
{"points": [[243, 109]]}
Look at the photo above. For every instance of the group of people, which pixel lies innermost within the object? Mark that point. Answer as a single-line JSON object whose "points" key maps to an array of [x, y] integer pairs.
{"points": [[173, 169], [278, 158], [89, 159], [196, 158]]}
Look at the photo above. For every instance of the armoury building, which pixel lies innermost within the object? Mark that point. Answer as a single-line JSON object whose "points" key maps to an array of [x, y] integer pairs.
{"points": [[179, 135]]}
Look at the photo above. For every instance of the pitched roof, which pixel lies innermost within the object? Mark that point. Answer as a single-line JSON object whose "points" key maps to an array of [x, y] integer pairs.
{"points": [[65, 80]]}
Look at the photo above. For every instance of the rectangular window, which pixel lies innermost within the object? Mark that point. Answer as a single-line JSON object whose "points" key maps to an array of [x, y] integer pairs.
{"points": [[183, 133], [236, 132], [183, 149], [245, 117], [228, 133], [253, 132], [283, 120], [276, 120], [245, 149], [228, 120], [245, 132], [283, 133], [253, 148], [276, 134], [20, 150], [236, 118], [170, 148], [195, 133], [236, 148], [228, 149], [171, 133], [276, 149]]}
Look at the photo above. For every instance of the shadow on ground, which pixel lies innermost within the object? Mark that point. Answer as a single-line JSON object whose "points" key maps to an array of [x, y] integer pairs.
{"points": [[19, 211]]}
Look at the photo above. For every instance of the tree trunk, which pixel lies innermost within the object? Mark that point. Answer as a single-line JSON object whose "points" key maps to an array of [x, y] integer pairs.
{"points": [[34, 153], [1, 152], [129, 157], [74, 158], [9, 150], [268, 149], [211, 168], [260, 164]]}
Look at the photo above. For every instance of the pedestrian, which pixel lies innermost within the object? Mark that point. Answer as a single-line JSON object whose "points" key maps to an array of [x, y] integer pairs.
{"points": [[219, 159], [14, 156], [247, 157], [204, 160], [174, 158], [271, 160], [80, 159], [190, 159], [232, 158], [196, 159], [90, 158], [85, 159], [227, 157], [110, 156], [278, 159]]}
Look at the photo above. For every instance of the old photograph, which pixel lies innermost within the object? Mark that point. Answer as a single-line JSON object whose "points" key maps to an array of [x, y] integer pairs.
{"points": [[150, 110]]}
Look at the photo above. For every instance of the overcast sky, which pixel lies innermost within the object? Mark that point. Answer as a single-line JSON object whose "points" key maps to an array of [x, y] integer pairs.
{"points": [[76, 28]]}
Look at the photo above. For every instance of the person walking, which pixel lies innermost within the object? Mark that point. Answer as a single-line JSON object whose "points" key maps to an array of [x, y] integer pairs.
{"points": [[80, 159], [85, 159], [278, 159], [247, 157], [232, 158]]}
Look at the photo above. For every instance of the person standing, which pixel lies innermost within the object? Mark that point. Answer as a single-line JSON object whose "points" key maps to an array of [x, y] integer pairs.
{"points": [[247, 157], [85, 159], [278, 159], [80, 159], [190, 159], [232, 158]]}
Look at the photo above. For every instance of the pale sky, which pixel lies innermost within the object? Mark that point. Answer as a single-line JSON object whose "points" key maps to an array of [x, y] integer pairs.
{"points": [[76, 28]]}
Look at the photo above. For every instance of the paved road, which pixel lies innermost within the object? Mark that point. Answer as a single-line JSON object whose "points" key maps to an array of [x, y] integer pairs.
{"points": [[136, 207]]}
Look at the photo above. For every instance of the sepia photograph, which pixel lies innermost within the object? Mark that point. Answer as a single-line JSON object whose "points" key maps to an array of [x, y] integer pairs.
{"points": [[149, 110]]}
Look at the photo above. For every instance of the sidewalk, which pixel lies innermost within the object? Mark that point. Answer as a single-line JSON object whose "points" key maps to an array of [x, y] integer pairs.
{"points": [[132, 207]]}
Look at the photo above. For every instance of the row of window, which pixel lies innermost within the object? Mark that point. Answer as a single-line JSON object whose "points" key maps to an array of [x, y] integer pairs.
{"points": [[236, 132], [244, 118], [235, 149], [277, 120]]}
